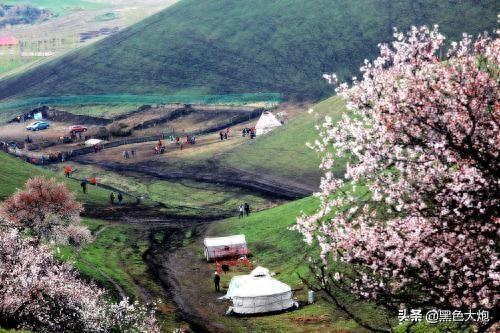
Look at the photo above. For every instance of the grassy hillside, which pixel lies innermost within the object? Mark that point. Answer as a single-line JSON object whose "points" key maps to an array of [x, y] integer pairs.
{"points": [[283, 152], [182, 198], [14, 173], [283, 251], [270, 240], [237, 46]]}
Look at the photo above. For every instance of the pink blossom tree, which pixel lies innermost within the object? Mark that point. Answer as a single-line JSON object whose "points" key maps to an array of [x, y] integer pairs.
{"points": [[41, 294], [48, 210], [416, 217], [38, 292]]}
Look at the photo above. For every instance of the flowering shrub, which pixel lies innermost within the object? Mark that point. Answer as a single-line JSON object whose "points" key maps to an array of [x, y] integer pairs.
{"points": [[416, 217], [46, 209], [41, 294]]}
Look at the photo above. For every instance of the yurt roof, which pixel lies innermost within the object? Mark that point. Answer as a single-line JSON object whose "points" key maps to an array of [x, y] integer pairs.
{"points": [[267, 119], [223, 241], [256, 284], [259, 271], [249, 286]]}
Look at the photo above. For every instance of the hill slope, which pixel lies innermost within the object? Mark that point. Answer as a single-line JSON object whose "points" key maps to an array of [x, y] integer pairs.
{"points": [[14, 173], [283, 152], [216, 47]]}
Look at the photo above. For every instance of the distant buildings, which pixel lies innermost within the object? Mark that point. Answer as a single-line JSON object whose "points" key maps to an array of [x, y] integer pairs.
{"points": [[9, 45]]}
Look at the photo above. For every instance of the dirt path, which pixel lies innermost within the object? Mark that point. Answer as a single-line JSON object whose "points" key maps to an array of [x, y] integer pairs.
{"points": [[157, 257], [161, 260]]}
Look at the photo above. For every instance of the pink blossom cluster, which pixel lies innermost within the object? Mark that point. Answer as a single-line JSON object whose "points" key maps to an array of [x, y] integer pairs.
{"points": [[48, 210], [39, 293], [416, 215]]}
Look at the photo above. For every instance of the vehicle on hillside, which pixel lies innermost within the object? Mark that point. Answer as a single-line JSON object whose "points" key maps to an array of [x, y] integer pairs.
{"points": [[78, 128], [37, 126]]}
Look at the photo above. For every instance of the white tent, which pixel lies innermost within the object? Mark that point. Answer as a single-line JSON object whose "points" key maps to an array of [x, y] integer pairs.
{"points": [[267, 122], [93, 142], [258, 292], [220, 247]]}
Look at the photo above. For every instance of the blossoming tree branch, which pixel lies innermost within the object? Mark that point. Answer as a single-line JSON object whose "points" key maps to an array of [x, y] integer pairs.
{"points": [[37, 291], [416, 216]]}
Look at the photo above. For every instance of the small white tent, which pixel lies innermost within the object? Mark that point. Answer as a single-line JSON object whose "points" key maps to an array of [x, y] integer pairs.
{"points": [[93, 142], [267, 122], [220, 247], [258, 292]]}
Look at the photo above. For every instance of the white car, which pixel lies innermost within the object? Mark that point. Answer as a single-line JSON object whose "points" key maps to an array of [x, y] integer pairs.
{"points": [[37, 126]]}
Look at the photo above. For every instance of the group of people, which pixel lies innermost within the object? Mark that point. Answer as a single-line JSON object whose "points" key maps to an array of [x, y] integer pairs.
{"points": [[159, 148], [97, 147], [24, 117], [59, 156], [248, 131], [126, 154], [225, 134], [244, 210], [119, 197]]}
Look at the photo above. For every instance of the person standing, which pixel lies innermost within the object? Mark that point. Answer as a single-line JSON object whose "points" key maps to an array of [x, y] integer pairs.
{"points": [[217, 282], [67, 170], [241, 209], [120, 198], [112, 199], [247, 209], [83, 184], [221, 135]]}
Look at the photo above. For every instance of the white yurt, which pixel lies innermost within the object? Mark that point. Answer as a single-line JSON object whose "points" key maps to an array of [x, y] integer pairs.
{"points": [[221, 247], [267, 122], [258, 292]]}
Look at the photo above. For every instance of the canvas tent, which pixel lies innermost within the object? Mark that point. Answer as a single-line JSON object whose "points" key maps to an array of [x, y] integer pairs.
{"points": [[93, 142], [258, 292], [267, 122], [224, 247]]}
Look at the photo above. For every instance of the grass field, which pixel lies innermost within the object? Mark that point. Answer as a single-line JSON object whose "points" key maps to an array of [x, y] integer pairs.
{"points": [[234, 46], [116, 253], [7, 65], [183, 198], [283, 251], [283, 152], [270, 240], [99, 104], [14, 173], [275, 246]]}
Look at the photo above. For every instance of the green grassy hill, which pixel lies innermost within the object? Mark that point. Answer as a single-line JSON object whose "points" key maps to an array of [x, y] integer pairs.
{"points": [[238, 46], [270, 240], [14, 173], [283, 152]]}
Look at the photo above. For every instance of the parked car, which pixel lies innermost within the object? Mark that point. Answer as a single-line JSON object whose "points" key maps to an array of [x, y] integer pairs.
{"points": [[37, 126], [77, 128]]}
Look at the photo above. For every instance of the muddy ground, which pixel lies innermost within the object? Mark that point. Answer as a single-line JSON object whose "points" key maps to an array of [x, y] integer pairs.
{"points": [[161, 257]]}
